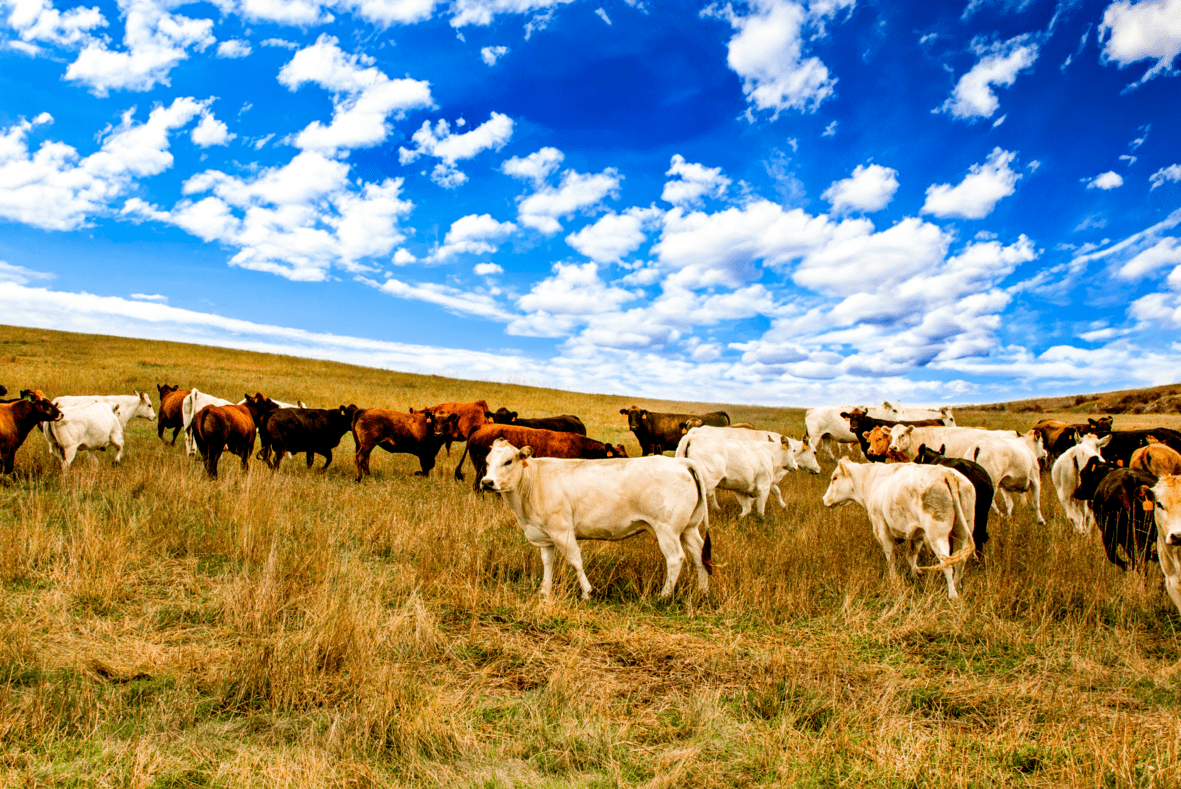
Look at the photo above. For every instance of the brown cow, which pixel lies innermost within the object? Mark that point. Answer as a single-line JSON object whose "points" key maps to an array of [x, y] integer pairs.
{"points": [[419, 433], [471, 416], [16, 420], [217, 428], [545, 443], [659, 432], [171, 398], [1058, 436], [1157, 459]]}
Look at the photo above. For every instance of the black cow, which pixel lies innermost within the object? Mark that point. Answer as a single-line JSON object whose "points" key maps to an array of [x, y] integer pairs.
{"points": [[658, 433], [862, 424], [980, 481], [1121, 501], [567, 423], [1124, 442], [316, 431]]}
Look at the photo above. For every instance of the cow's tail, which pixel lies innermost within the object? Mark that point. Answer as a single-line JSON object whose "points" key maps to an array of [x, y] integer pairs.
{"points": [[961, 522], [463, 457], [700, 517], [683, 446], [197, 425]]}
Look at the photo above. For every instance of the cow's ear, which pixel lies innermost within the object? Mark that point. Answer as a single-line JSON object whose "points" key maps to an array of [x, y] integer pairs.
{"points": [[867, 434], [623, 411], [909, 429], [844, 415], [488, 415], [526, 452], [512, 415], [1104, 441], [805, 440], [412, 410]]}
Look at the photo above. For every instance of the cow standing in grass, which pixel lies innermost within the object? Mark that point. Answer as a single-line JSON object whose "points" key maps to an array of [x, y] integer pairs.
{"points": [[659, 432], [418, 433], [232, 428], [16, 420], [544, 443], [94, 427], [171, 400], [316, 431]]}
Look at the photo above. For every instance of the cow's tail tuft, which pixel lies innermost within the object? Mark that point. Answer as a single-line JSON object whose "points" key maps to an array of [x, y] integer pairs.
{"points": [[707, 556], [700, 516], [961, 522]]}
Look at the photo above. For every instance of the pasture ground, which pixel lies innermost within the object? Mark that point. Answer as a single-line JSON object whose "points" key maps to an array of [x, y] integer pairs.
{"points": [[298, 629]]}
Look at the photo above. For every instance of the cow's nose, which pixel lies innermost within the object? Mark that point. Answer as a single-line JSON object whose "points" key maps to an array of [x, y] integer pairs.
{"points": [[487, 484]]}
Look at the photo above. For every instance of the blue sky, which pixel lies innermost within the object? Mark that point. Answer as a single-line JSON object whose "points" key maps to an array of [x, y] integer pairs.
{"points": [[772, 202]]}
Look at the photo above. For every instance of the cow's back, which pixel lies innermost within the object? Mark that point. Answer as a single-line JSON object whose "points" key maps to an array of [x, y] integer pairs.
{"points": [[613, 490]]}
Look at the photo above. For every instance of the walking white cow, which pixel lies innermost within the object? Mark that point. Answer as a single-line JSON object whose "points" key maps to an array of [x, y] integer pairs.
{"points": [[1166, 495], [804, 452], [559, 502], [93, 427], [1065, 475], [907, 502], [1014, 465], [749, 468]]}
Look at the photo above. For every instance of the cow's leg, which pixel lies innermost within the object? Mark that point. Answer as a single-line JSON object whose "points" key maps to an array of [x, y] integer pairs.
{"points": [[276, 453], [882, 533], [361, 458], [160, 427], [1111, 542], [175, 430], [1172, 570], [212, 455], [941, 546], [427, 462], [117, 443], [778, 494], [568, 547], [761, 500], [547, 569], [7, 459], [68, 454], [744, 501], [327, 458], [693, 544], [674, 558], [711, 498], [1036, 492]]}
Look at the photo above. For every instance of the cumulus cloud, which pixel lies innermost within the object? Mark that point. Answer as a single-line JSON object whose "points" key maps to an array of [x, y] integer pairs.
{"points": [[536, 167], [1170, 173], [454, 300], [449, 148], [492, 54], [982, 188], [56, 189], [870, 188], [574, 290], [613, 236], [694, 181], [1166, 252], [234, 48], [1147, 30], [363, 97], [211, 131], [19, 275], [997, 66], [39, 20], [474, 235], [576, 192], [482, 12], [487, 269], [1106, 181]]}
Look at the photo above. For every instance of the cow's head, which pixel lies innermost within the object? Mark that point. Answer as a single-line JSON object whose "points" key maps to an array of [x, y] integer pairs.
{"points": [[902, 439], [616, 451], [448, 425], [3, 391], [841, 485], [44, 410], [259, 405], [1166, 499], [142, 408], [505, 465], [503, 416], [347, 412], [690, 423], [879, 441], [1101, 426], [165, 390], [636, 417], [1090, 475], [804, 454], [928, 456]]}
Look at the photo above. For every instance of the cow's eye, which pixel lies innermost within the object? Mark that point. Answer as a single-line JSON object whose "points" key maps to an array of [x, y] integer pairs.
{"points": [[508, 463]]}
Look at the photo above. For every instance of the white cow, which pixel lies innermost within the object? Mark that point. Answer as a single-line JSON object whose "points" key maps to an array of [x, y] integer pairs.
{"points": [[1013, 464], [194, 401], [749, 468], [93, 427], [803, 451], [1166, 496], [559, 502], [957, 440], [825, 424], [1065, 474], [131, 401], [902, 414], [909, 503]]}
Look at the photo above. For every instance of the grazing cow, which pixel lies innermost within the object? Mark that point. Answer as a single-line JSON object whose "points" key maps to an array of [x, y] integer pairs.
{"points": [[193, 402], [264, 440], [558, 502], [1125, 442], [316, 431], [658, 432], [1123, 511], [803, 452], [1014, 464], [909, 503], [471, 416], [1065, 475], [218, 428], [861, 424], [418, 433], [567, 423], [171, 399], [748, 468], [16, 420], [545, 444], [1157, 459], [1166, 496], [981, 483], [93, 427]]}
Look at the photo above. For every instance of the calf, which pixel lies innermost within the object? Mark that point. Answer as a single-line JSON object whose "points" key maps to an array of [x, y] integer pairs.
{"points": [[469, 417], [418, 433], [545, 444], [659, 432], [1157, 459], [981, 483], [1118, 499], [316, 431], [171, 399], [16, 420], [558, 502], [567, 423], [1166, 496], [748, 468], [1065, 475], [93, 427], [908, 503], [219, 428]]}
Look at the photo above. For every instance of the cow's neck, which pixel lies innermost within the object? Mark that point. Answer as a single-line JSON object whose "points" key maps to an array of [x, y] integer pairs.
{"points": [[521, 495]]}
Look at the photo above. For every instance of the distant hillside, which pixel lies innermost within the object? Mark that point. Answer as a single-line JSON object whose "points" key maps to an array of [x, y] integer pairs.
{"points": [[1154, 400]]}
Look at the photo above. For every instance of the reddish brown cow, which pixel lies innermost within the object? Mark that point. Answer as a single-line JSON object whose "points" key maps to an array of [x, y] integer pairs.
{"points": [[169, 414], [419, 433], [217, 428], [471, 416], [545, 444], [1157, 459], [16, 420]]}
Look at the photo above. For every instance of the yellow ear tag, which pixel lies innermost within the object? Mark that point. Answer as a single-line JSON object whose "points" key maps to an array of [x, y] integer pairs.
{"points": [[1148, 505]]}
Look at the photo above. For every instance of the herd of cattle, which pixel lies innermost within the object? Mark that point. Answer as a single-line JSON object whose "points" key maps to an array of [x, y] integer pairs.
{"points": [[928, 481]]}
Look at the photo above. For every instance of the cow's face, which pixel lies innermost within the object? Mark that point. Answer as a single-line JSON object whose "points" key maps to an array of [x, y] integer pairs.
{"points": [[636, 417], [902, 439], [1102, 425], [689, 424], [840, 486], [503, 416], [449, 425], [805, 456], [1166, 497], [46, 411], [1090, 475], [616, 451], [506, 464], [879, 441]]}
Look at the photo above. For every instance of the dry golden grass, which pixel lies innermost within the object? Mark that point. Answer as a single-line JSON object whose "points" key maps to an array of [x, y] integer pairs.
{"points": [[298, 629]]}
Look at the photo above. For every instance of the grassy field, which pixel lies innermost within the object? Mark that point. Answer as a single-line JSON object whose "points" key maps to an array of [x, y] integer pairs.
{"points": [[298, 629]]}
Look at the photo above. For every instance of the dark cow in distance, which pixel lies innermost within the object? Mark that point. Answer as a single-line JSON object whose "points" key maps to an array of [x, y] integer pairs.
{"points": [[171, 398], [660, 432], [545, 444], [566, 423], [1058, 436], [1125, 442], [469, 417], [232, 428], [418, 433], [316, 431], [980, 480], [1121, 501], [862, 424], [16, 420]]}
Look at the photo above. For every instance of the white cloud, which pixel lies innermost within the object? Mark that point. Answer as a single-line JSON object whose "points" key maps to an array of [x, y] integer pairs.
{"points": [[854, 256], [613, 236], [149, 297], [492, 54], [1147, 30], [388, 12], [487, 269], [830, 130], [695, 181], [1106, 181], [577, 192], [476, 234], [363, 97], [155, 42], [233, 48], [998, 65], [1170, 173], [439, 142], [536, 167], [19, 275], [767, 52], [975, 196], [299, 13], [1166, 252], [481, 12], [603, 15], [211, 131], [39, 20], [870, 188], [454, 300], [574, 290], [280, 43], [55, 189]]}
